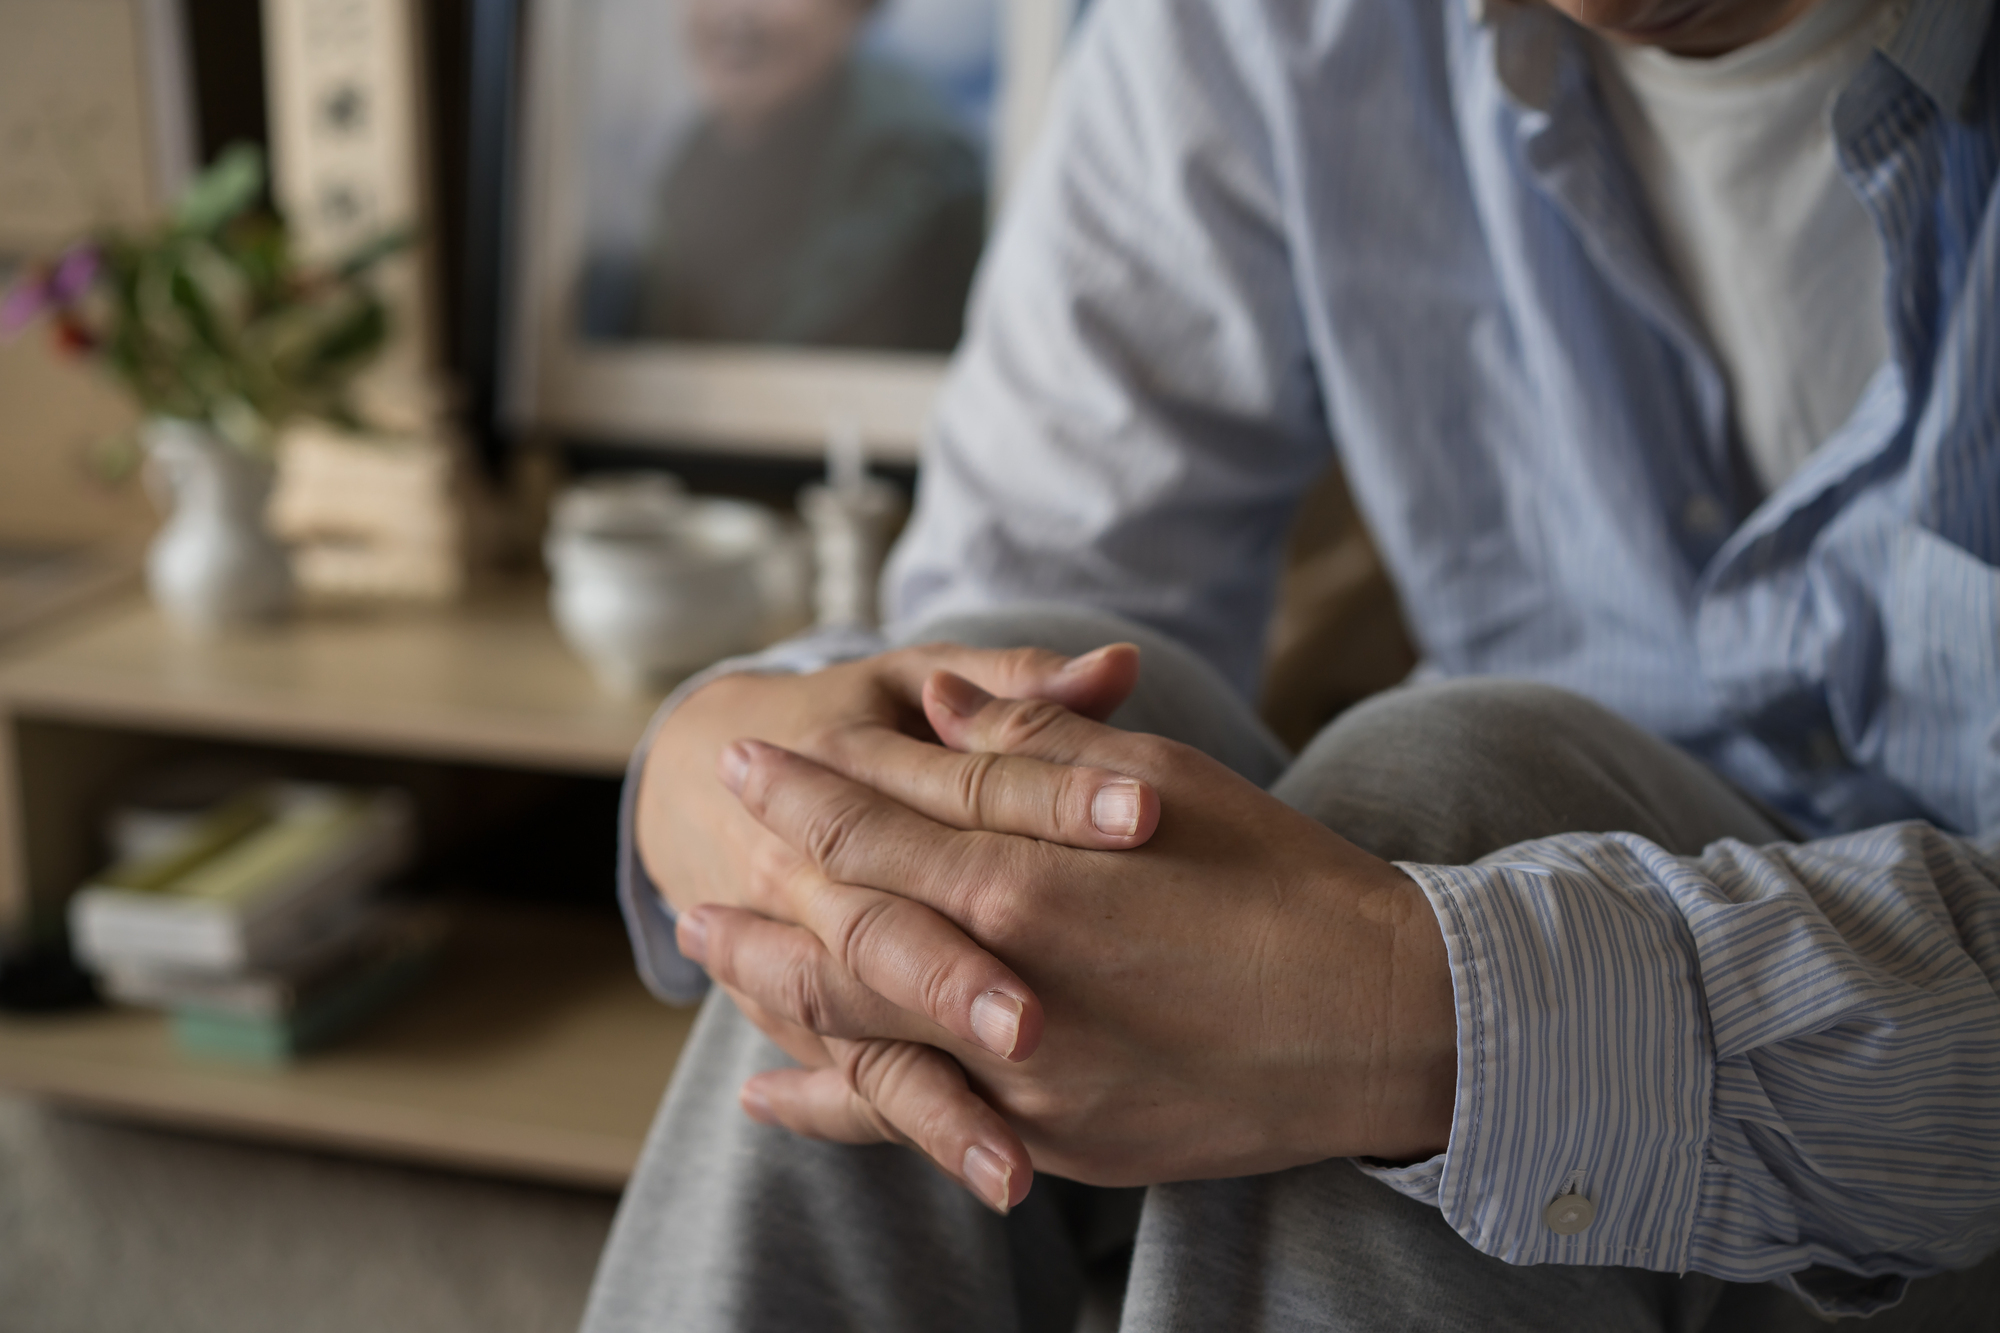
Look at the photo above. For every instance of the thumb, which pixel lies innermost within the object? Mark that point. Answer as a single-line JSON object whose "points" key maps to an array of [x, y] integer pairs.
{"points": [[1094, 684]]}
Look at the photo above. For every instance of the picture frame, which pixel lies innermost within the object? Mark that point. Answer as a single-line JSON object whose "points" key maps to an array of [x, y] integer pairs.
{"points": [[743, 397]]}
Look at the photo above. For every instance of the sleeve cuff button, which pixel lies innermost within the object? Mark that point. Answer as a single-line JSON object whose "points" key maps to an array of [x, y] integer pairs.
{"points": [[1569, 1214]]}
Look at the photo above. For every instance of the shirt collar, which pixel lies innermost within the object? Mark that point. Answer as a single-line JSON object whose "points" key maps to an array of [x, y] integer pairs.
{"points": [[1936, 43]]}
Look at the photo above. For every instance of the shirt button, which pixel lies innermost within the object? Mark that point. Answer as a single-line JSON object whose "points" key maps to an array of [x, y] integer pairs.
{"points": [[1704, 516], [1569, 1214]]}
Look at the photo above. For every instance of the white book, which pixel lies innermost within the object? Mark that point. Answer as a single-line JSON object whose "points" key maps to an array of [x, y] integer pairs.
{"points": [[251, 891], [355, 941]]}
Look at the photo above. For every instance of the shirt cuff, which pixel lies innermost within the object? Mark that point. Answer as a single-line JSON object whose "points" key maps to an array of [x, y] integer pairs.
{"points": [[1584, 1061], [649, 921]]}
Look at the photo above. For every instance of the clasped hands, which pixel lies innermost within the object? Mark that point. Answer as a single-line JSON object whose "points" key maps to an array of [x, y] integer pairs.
{"points": [[991, 926]]}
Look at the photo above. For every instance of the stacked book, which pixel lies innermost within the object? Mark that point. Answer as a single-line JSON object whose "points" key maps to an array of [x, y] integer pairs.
{"points": [[256, 924]]}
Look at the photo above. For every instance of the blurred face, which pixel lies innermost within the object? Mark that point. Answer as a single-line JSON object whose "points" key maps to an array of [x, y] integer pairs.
{"points": [[1685, 27], [754, 57]]}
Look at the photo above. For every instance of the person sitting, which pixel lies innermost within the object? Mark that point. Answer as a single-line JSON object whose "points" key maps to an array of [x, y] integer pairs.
{"points": [[1634, 965]]}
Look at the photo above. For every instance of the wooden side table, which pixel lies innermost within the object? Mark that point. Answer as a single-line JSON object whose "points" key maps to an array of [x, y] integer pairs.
{"points": [[533, 1050]]}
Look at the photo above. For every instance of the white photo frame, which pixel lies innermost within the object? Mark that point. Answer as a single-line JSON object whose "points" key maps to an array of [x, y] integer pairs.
{"points": [[740, 398]]}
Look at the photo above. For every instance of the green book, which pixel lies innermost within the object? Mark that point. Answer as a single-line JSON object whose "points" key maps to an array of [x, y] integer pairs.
{"points": [[324, 1018]]}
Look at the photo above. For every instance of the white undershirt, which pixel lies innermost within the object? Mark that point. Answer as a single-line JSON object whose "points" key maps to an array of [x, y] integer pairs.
{"points": [[1772, 248]]}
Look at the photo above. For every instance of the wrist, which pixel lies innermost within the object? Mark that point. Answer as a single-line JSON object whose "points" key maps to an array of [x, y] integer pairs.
{"points": [[1413, 1063], [1424, 1019], [683, 812]]}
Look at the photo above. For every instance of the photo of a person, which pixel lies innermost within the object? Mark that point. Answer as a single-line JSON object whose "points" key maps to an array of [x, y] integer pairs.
{"points": [[822, 193]]}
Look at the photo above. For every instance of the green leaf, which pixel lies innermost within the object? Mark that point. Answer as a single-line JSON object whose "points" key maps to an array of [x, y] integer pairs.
{"points": [[372, 252], [223, 191], [196, 310], [349, 340]]}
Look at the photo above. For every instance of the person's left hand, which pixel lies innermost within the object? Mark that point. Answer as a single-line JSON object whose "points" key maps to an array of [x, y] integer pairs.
{"points": [[1246, 991]]}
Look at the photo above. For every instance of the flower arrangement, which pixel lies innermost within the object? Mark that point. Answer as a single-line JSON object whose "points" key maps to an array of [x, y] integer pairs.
{"points": [[208, 317]]}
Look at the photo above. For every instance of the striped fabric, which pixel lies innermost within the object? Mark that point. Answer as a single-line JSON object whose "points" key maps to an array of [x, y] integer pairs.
{"points": [[1264, 232]]}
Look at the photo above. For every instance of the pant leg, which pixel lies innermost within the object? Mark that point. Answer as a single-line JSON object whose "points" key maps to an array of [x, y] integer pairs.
{"points": [[1447, 773], [730, 1225]]}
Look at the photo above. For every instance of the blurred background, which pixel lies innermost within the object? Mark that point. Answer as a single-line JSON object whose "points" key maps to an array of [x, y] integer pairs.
{"points": [[397, 399]]}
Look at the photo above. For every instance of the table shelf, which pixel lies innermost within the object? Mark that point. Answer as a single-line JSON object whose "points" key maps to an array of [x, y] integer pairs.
{"points": [[532, 1050]]}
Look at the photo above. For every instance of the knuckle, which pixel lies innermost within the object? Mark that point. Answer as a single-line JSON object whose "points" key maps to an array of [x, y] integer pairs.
{"points": [[1023, 722], [1161, 753], [873, 1070], [824, 740], [1035, 1103], [1023, 662], [858, 934], [888, 1076], [805, 1000], [991, 900], [769, 876], [976, 780], [872, 1067], [830, 829], [933, 1121], [871, 942]]}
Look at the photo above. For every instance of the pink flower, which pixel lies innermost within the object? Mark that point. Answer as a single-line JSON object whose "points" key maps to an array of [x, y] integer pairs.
{"points": [[48, 287], [74, 273]]}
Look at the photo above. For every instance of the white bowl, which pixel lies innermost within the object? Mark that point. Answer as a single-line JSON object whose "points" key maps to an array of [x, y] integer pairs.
{"points": [[644, 608]]}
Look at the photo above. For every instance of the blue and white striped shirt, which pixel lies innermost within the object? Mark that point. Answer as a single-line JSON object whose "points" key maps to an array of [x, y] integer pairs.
{"points": [[1264, 233]]}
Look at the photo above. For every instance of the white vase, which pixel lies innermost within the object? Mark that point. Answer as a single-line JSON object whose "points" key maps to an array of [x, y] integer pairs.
{"points": [[214, 563]]}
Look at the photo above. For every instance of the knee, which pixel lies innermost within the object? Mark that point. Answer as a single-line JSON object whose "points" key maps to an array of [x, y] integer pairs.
{"points": [[1448, 772], [1471, 731]]}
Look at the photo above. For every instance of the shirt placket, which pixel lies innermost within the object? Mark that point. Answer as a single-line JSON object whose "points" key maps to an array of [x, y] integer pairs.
{"points": [[1569, 157]]}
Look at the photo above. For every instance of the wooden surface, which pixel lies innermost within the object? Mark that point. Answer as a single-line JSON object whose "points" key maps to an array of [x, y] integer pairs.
{"points": [[532, 1050], [488, 681]]}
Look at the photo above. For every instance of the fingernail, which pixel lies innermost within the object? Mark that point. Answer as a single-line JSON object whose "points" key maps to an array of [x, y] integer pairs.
{"points": [[1076, 666], [996, 1020], [1115, 808], [960, 697], [691, 936], [756, 1105], [734, 765], [989, 1176]]}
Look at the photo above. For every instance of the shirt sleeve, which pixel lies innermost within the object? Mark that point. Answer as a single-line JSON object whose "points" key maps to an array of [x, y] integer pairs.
{"points": [[1776, 1063], [649, 920], [1134, 413]]}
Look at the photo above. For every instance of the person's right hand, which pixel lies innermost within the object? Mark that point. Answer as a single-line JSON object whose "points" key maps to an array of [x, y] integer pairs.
{"points": [[700, 845]]}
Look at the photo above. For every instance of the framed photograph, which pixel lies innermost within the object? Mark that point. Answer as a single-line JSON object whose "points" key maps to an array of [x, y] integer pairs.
{"points": [[748, 222]]}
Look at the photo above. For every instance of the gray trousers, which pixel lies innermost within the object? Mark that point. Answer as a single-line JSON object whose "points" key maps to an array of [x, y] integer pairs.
{"points": [[730, 1225]]}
